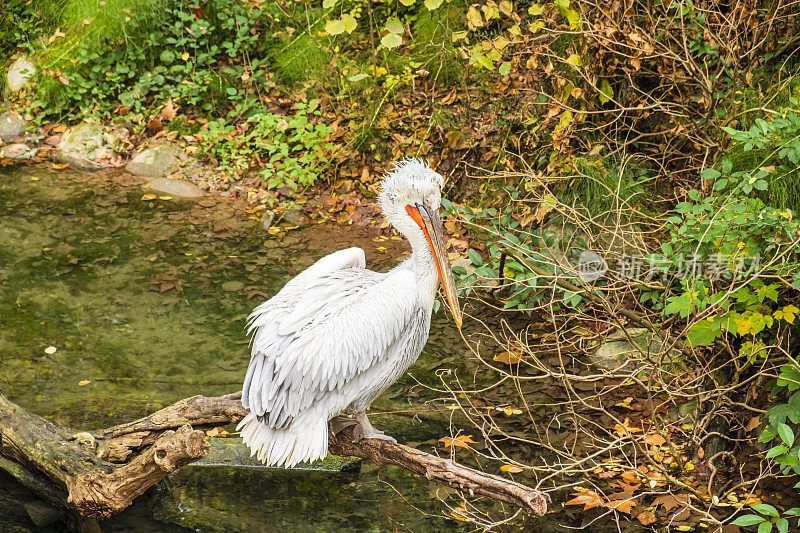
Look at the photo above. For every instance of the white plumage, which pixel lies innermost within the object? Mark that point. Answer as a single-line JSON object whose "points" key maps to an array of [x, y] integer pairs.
{"points": [[337, 335]]}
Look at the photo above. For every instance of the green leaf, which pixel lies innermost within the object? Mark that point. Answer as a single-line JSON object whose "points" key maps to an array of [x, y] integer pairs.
{"points": [[432, 4], [702, 334], [327, 4], [167, 56], [391, 40], [606, 92], [782, 524], [765, 527], [766, 509], [475, 257], [484, 61], [776, 451], [710, 174], [573, 17], [395, 26], [535, 9], [349, 22], [748, 520], [505, 68], [407, 2], [334, 27], [786, 434]]}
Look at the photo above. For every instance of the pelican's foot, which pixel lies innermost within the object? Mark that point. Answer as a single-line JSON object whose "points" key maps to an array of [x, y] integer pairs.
{"points": [[379, 435], [367, 431], [340, 422]]}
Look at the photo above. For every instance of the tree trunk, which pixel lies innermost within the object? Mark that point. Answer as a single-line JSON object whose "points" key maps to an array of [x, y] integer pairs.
{"points": [[99, 474]]}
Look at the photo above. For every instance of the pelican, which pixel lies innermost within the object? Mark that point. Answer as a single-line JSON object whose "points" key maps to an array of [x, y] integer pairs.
{"points": [[337, 335]]}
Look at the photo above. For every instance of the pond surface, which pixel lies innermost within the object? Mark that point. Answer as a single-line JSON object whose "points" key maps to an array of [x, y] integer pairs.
{"points": [[112, 307]]}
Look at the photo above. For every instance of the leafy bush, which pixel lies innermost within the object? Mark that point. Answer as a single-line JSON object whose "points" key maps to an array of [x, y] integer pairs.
{"points": [[291, 148], [140, 51]]}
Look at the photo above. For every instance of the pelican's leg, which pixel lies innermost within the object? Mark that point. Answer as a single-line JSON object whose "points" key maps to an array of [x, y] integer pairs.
{"points": [[369, 432]]}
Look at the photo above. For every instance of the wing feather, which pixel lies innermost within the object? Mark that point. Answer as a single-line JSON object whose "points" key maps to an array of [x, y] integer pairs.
{"points": [[322, 329]]}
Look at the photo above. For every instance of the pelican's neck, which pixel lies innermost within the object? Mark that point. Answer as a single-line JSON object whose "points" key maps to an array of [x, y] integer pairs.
{"points": [[424, 266]]}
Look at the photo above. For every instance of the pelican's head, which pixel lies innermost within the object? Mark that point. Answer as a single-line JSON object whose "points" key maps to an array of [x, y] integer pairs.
{"points": [[411, 195]]}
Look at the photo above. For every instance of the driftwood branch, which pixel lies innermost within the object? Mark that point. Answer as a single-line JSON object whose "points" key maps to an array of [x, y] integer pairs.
{"points": [[99, 474]]}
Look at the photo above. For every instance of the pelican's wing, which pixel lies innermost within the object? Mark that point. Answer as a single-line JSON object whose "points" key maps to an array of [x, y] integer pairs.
{"points": [[314, 340]]}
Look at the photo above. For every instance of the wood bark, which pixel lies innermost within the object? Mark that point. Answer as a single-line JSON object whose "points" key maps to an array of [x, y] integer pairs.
{"points": [[98, 474]]}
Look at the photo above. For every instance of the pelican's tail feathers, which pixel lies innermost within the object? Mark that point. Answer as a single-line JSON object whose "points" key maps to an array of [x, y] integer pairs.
{"points": [[305, 439]]}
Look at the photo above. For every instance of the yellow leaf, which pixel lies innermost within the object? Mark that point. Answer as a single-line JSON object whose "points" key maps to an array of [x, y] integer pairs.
{"points": [[185, 56], [459, 513], [509, 358], [743, 326], [474, 19], [147, 197], [84, 382], [513, 469], [626, 403], [165, 197], [500, 42], [625, 428], [688, 466], [510, 410], [50, 350], [462, 441]]}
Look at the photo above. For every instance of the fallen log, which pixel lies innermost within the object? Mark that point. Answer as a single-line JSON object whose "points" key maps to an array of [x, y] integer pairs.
{"points": [[97, 474]]}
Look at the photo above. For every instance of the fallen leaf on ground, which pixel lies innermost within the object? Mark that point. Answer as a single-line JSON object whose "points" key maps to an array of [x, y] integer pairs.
{"points": [[654, 439], [588, 499], [461, 441], [671, 501], [623, 506], [646, 518], [509, 358]]}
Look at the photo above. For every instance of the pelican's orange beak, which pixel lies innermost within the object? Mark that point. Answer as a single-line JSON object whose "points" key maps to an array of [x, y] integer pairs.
{"points": [[430, 222]]}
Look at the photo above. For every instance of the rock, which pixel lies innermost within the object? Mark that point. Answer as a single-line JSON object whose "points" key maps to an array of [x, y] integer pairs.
{"points": [[267, 218], [620, 354], [487, 284], [86, 147], [19, 74], [233, 452], [11, 126], [173, 187], [294, 217], [41, 513], [17, 151], [154, 162]]}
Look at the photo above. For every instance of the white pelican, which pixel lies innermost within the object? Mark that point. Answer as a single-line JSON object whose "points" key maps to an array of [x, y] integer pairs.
{"points": [[338, 335]]}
